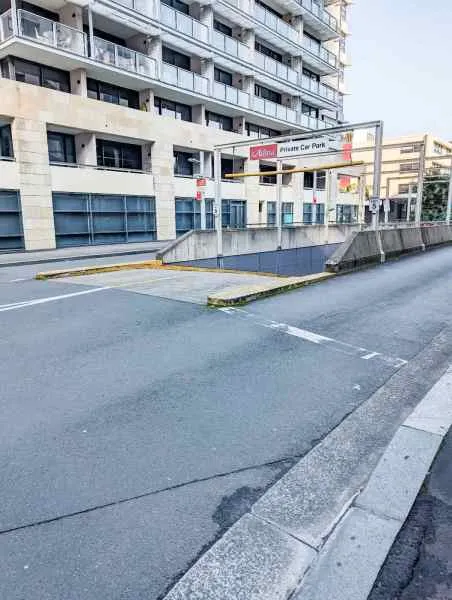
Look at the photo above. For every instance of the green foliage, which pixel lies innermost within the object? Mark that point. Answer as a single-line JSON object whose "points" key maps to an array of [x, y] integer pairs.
{"points": [[434, 203]]}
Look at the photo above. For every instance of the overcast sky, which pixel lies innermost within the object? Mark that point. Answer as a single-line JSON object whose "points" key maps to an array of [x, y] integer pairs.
{"points": [[401, 52]]}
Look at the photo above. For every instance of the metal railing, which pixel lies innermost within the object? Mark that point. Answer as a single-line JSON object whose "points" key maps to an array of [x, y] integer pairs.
{"points": [[320, 89], [230, 94], [273, 22], [183, 23], [6, 25], [269, 65], [124, 58], [316, 49], [184, 79], [230, 45], [272, 109], [99, 167], [51, 33], [312, 122], [323, 15]]}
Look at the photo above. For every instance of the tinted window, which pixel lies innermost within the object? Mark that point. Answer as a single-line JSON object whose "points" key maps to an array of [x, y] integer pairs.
{"points": [[222, 76], [267, 94], [61, 147], [219, 121], [175, 58], [118, 155], [98, 90], [183, 163], [177, 5], [268, 51], [6, 142], [222, 28], [176, 110]]}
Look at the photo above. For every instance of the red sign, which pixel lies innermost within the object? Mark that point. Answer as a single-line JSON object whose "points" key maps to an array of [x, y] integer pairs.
{"points": [[314, 200], [198, 196], [262, 152], [344, 182], [347, 151], [201, 182]]}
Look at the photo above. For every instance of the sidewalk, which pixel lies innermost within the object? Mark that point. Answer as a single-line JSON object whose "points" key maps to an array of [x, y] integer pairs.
{"points": [[419, 565], [40, 256]]}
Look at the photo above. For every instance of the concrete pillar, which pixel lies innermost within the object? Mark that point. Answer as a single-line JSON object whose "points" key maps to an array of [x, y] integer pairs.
{"points": [[238, 124], [205, 15], [85, 149], [32, 160], [162, 169], [79, 85], [146, 100], [146, 157], [248, 86], [198, 114], [248, 37], [297, 24], [252, 193], [72, 15], [206, 68]]}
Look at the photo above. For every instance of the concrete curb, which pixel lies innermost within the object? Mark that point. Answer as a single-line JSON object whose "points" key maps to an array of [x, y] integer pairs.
{"points": [[264, 557], [91, 270], [237, 296]]}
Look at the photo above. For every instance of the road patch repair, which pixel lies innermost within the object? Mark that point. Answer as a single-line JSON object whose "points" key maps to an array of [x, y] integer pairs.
{"points": [[325, 528], [213, 287]]}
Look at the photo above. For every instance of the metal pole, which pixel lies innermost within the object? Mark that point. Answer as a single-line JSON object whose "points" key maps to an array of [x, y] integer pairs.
{"points": [[377, 174], [449, 198], [218, 220], [361, 197], [420, 183], [408, 207], [328, 203], [279, 204], [203, 197], [387, 204]]}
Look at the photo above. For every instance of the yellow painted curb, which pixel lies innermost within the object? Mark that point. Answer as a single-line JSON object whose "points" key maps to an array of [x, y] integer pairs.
{"points": [[242, 295]]}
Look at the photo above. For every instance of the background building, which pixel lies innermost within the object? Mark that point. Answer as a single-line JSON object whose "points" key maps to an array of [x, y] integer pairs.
{"points": [[109, 109]]}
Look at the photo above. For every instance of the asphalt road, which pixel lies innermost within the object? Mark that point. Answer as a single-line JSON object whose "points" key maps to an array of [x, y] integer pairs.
{"points": [[136, 429]]}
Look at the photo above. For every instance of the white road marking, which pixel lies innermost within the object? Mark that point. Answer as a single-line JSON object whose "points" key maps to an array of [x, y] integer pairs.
{"points": [[27, 303], [19, 279], [315, 338]]}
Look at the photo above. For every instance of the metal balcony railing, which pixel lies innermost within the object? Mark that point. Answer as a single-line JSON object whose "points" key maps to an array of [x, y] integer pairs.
{"points": [[312, 122], [275, 68], [184, 79], [273, 22], [321, 14], [124, 58], [320, 89], [230, 94], [183, 23], [230, 45], [272, 109], [314, 48], [6, 25], [51, 33]]}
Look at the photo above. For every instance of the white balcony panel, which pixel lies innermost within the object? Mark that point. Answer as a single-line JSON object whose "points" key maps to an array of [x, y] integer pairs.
{"points": [[271, 109], [320, 90], [51, 33], [183, 23], [186, 80], [230, 45], [83, 179], [6, 25], [276, 24], [318, 20], [318, 57], [123, 58], [230, 94], [273, 67]]}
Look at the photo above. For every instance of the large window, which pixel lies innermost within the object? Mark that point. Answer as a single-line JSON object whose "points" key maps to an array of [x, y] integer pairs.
{"points": [[36, 74], [222, 28], [11, 231], [267, 94], [404, 188], [98, 90], [222, 76], [346, 213], [175, 58], [409, 166], [309, 110], [314, 179], [268, 51], [184, 163], [269, 8], [313, 213], [271, 213], [6, 142], [258, 131], [178, 5], [287, 213], [310, 74], [61, 147], [118, 155], [233, 214], [267, 179], [188, 214], [219, 121], [176, 110]]}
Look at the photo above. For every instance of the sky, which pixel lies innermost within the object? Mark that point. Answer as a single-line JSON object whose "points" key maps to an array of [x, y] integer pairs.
{"points": [[401, 71]]}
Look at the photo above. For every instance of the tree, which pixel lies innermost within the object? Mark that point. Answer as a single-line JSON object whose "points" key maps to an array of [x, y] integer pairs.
{"points": [[434, 202]]}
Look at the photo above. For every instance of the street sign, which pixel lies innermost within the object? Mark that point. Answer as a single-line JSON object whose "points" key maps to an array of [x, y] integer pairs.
{"points": [[201, 182], [263, 152], [309, 146], [374, 205], [198, 196]]}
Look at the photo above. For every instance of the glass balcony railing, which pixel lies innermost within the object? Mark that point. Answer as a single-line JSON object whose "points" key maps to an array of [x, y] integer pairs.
{"points": [[51, 33], [184, 79], [321, 14], [272, 109], [123, 58], [315, 48], [183, 23], [269, 65], [312, 122], [273, 22], [230, 94], [6, 25], [230, 45], [320, 89]]}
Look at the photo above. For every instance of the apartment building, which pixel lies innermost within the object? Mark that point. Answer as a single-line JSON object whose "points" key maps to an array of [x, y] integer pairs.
{"points": [[110, 109]]}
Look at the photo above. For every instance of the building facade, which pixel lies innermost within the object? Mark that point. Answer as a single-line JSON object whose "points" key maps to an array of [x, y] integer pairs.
{"points": [[109, 110]]}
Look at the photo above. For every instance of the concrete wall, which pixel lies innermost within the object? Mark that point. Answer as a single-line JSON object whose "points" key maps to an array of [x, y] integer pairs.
{"points": [[197, 245]]}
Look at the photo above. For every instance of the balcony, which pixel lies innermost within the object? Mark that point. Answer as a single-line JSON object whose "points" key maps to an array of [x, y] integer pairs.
{"points": [[312, 122], [276, 24], [318, 89], [183, 23], [230, 45], [121, 57], [318, 20], [186, 80], [6, 26], [269, 65], [230, 94], [48, 32], [318, 57], [271, 109]]}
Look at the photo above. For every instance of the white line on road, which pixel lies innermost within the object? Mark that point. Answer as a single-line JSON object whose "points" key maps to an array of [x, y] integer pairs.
{"points": [[316, 338], [27, 303], [19, 279]]}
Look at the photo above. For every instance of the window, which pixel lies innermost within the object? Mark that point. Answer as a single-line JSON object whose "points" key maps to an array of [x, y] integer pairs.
{"points": [[6, 142], [222, 28], [271, 213], [311, 42], [118, 155], [29, 72], [313, 213], [439, 148], [269, 8], [222, 76], [320, 180], [177, 5], [61, 147], [267, 94], [310, 74], [307, 109], [410, 149], [176, 110], [175, 58], [184, 163], [308, 181], [233, 214], [287, 213], [258, 131], [98, 90], [346, 213], [268, 51], [219, 121], [315, 180], [404, 188], [229, 165], [409, 166], [267, 179]]}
